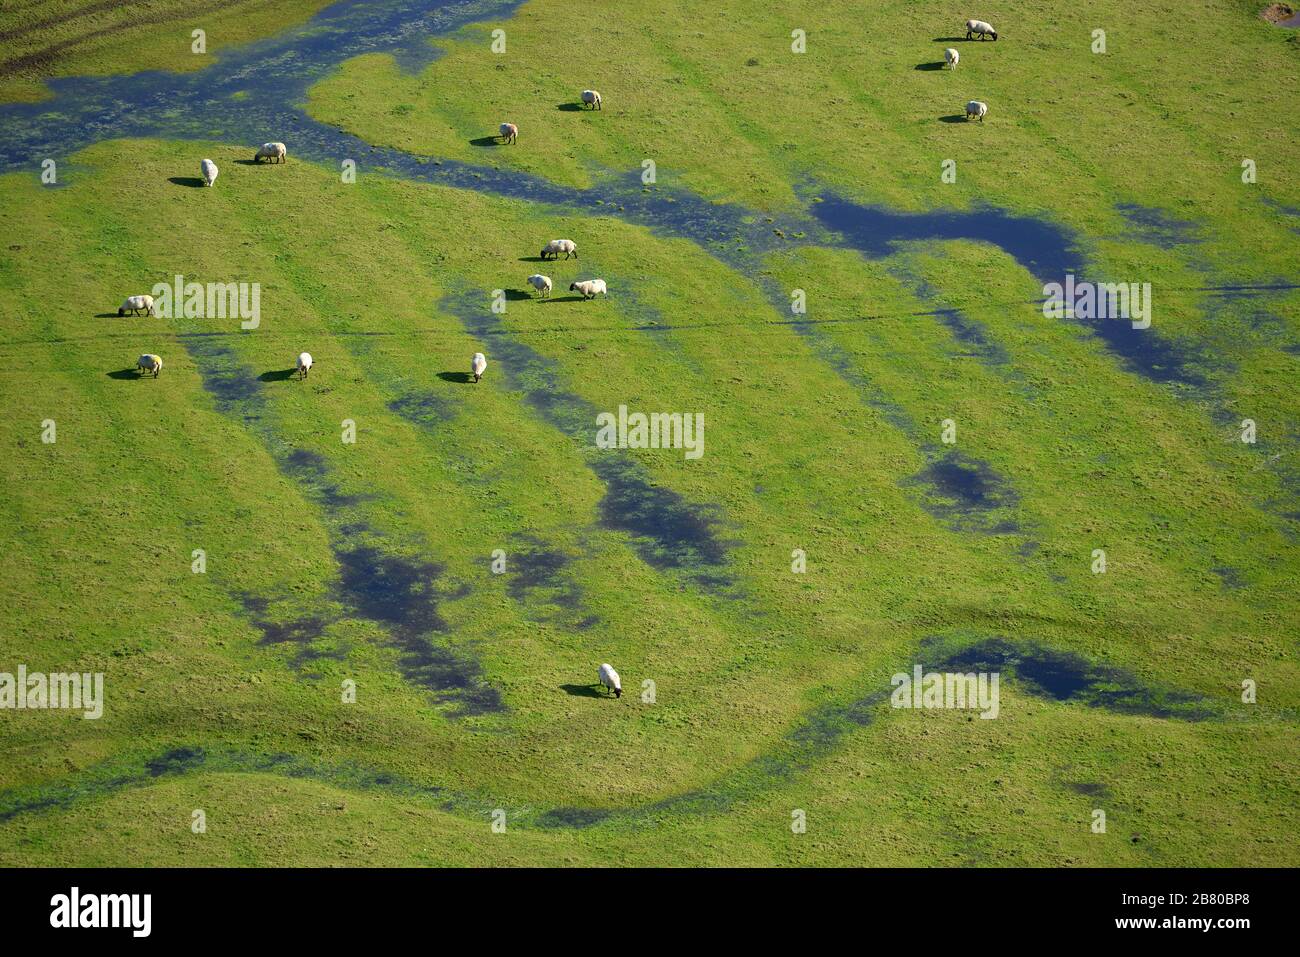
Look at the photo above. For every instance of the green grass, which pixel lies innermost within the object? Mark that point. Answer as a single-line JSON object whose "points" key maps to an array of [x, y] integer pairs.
{"points": [[55, 38], [101, 524]]}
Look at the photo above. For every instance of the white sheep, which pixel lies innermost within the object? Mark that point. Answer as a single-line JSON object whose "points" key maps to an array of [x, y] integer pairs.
{"points": [[304, 363], [609, 678], [951, 56], [591, 98], [589, 288], [509, 132], [149, 363], [209, 171], [980, 29], [478, 365], [976, 108], [541, 283], [133, 304], [557, 246], [271, 151]]}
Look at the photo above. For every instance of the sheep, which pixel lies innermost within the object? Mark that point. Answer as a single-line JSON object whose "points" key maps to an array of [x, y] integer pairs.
{"points": [[591, 98], [951, 56], [541, 283], [589, 288], [509, 132], [609, 678], [209, 171], [976, 108], [149, 363], [557, 246], [271, 151], [477, 365], [304, 363], [134, 303], [980, 29]]}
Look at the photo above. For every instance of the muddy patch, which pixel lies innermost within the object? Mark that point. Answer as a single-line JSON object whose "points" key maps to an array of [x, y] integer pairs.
{"points": [[972, 335], [377, 582], [966, 493], [1281, 15], [230, 383], [667, 531], [310, 470], [403, 594], [1157, 227], [1069, 677], [1092, 789], [539, 578], [425, 409]]}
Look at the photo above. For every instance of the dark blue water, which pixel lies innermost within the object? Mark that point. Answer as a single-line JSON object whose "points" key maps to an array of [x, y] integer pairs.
{"points": [[667, 530], [1044, 672]]}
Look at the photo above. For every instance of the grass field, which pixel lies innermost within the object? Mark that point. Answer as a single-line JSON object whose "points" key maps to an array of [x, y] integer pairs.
{"points": [[57, 38], [371, 561]]}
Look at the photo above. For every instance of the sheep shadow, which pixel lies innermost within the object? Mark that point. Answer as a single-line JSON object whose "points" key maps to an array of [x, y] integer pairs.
{"points": [[191, 181], [565, 299], [109, 315], [253, 163], [486, 141], [455, 377], [515, 295], [534, 259], [132, 373], [569, 107], [955, 118], [583, 691], [279, 375], [929, 66], [950, 40]]}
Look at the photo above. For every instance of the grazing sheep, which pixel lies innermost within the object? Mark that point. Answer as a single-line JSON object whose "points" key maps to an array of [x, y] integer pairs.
{"points": [[951, 56], [271, 151], [557, 246], [980, 29], [477, 365], [609, 678], [135, 303], [209, 171], [589, 288], [591, 98], [976, 108], [304, 363], [541, 283], [509, 132], [149, 363]]}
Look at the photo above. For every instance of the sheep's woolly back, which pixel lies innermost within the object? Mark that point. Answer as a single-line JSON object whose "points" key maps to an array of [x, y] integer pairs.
{"points": [[609, 677], [304, 360]]}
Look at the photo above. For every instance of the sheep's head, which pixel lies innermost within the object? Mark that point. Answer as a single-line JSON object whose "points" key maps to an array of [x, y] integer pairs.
{"points": [[994, 34], [573, 286], [121, 311], [618, 692]]}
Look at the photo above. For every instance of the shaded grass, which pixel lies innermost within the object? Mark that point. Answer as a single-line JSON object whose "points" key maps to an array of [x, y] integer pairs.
{"points": [[831, 419]]}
